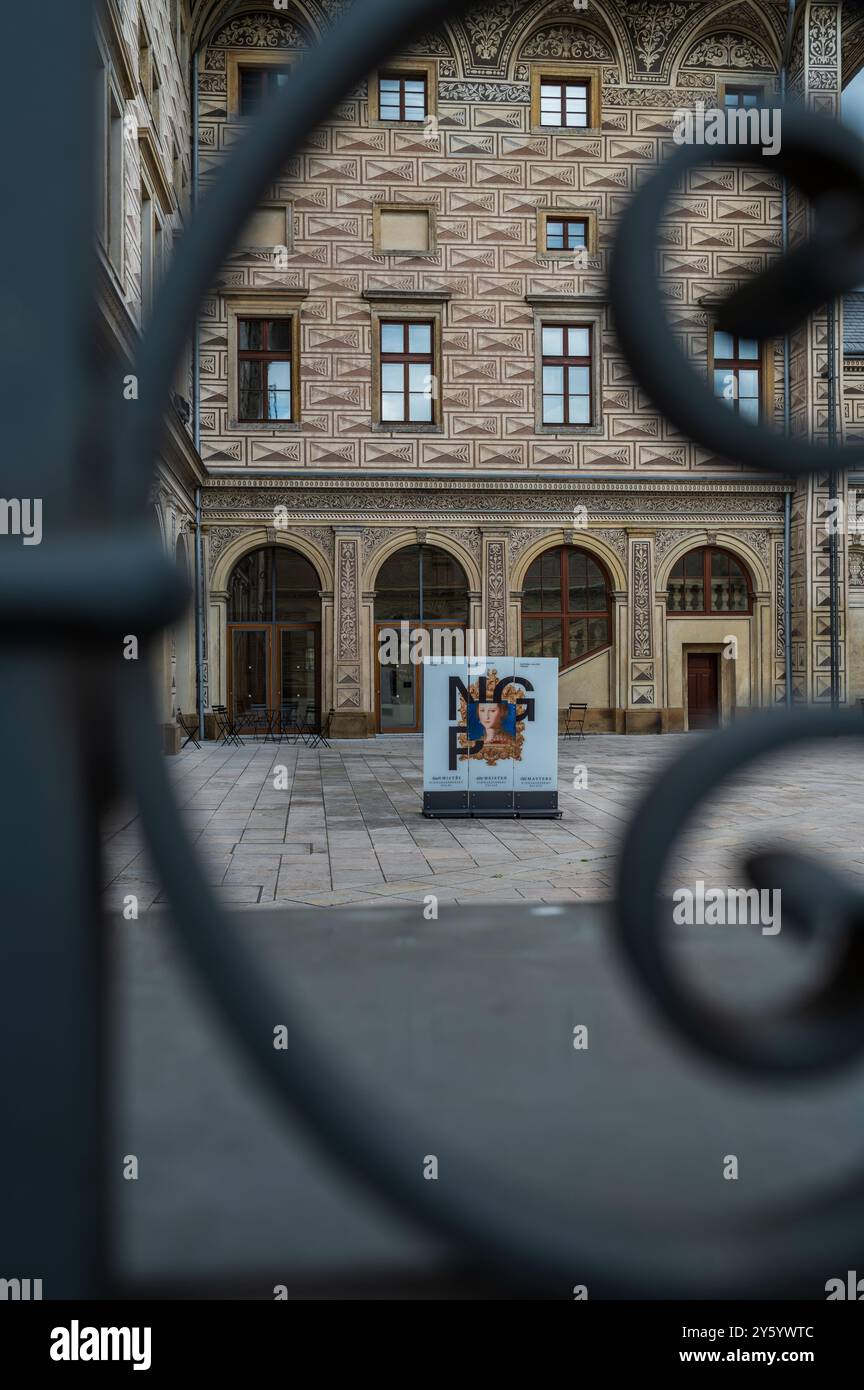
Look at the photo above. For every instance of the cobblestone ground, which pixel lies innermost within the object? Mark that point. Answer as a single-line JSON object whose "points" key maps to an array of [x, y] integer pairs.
{"points": [[348, 829]]}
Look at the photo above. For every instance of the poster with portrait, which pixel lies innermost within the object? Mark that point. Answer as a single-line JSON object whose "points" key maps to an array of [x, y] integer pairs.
{"points": [[491, 737]]}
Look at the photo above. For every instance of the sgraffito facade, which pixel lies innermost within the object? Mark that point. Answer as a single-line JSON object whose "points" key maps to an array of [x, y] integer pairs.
{"points": [[442, 202]]}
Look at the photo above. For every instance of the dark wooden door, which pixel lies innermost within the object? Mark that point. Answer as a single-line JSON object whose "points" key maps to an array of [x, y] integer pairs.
{"points": [[703, 711]]}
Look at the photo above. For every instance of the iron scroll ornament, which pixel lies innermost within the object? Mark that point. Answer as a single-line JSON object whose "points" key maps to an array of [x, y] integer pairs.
{"points": [[827, 162], [824, 161], [527, 1247]]}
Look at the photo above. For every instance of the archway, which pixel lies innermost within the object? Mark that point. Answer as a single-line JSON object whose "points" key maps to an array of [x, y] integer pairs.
{"points": [[274, 637], [709, 634], [419, 589]]}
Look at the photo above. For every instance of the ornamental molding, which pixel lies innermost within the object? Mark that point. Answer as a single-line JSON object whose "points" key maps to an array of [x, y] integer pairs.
{"points": [[642, 605], [691, 487], [496, 597], [665, 539], [260, 31], [856, 568], [347, 599], [220, 538], [780, 601], [732, 51], [567, 41]]}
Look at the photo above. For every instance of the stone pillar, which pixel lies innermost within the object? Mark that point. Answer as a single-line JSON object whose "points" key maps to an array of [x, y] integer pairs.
{"points": [[349, 720], [642, 714], [495, 569], [816, 75]]}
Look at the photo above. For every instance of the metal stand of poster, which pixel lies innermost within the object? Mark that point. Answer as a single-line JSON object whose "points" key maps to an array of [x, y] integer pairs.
{"points": [[490, 738]]}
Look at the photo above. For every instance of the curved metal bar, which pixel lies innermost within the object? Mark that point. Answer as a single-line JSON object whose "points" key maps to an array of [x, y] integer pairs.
{"points": [[806, 1039], [823, 160]]}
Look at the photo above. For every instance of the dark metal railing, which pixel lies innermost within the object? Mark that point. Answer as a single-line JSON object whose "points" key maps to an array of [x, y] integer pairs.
{"points": [[98, 577]]}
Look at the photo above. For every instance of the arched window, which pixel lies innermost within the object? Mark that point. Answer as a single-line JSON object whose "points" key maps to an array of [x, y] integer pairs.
{"points": [[421, 584], [426, 587], [709, 580], [566, 606], [274, 585]]}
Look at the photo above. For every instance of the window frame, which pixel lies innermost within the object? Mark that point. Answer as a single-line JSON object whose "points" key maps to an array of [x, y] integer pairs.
{"points": [[402, 78], [566, 214], [396, 310], [406, 359], [566, 74], [566, 362], [707, 552], [410, 70], [734, 84], [266, 355], [761, 363], [553, 311], [283, 58], [280, 304], [565, 614]]}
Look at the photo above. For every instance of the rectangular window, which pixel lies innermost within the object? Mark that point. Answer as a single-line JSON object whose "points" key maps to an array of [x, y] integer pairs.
{"points": [[114, 182], [566, 373], [566, 235], [146, 251], [145, 58], [402, 97], [156, 103], [257, 84], [264, 359], [737, 367], [742, 97], [563, 103], [407, 373]]}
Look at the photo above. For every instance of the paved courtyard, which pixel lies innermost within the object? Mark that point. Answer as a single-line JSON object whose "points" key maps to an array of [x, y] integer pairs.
{"points": [[347, 828]]}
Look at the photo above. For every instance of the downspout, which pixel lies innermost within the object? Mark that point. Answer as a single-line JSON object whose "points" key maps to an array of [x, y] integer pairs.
{"points": [[787, 384]]}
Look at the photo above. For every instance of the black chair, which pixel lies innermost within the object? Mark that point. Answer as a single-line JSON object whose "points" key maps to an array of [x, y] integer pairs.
{"points": [[190, 728], [575, 720], [225, 728], [318, 737], [289, 723]]}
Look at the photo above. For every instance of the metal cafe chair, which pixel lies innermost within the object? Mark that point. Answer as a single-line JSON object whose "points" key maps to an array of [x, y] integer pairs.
{"points": [[225, 727], [289, 724], [259, 720], [317, 737], [575, 720], [190, 726]]}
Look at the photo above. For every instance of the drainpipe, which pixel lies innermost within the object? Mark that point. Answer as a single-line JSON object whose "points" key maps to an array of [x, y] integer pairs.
{"points": [[787, 382]]}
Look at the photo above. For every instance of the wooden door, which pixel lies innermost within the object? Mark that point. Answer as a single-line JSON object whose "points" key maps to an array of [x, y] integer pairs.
{"points": [[703, 708]]}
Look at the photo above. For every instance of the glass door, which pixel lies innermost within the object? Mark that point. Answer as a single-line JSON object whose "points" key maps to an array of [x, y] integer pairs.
{"points": [[400, 686], [397, 698], [249, 670], [298, 676]]}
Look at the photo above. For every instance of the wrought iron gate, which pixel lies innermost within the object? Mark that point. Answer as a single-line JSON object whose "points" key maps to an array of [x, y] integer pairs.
{"points": [[88, 451]]}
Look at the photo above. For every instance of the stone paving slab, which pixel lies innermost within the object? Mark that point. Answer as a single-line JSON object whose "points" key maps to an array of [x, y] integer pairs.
{"points": [[348, 829]]}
